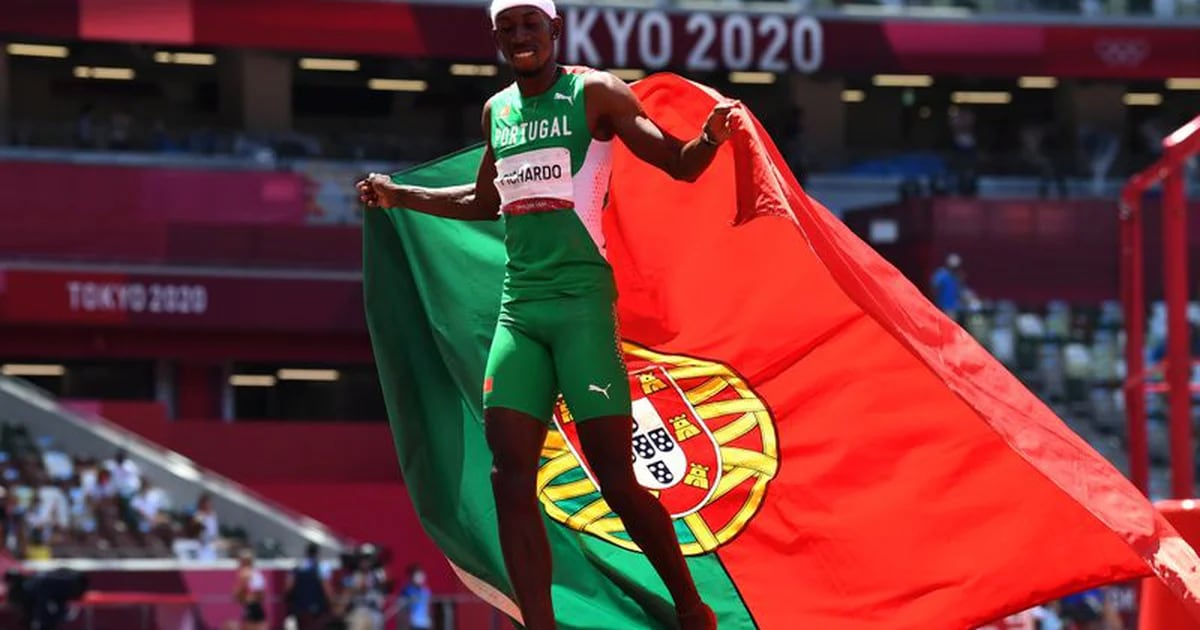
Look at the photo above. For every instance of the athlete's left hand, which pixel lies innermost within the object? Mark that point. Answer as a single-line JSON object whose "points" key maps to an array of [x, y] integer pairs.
{"points": [[719, 121]]}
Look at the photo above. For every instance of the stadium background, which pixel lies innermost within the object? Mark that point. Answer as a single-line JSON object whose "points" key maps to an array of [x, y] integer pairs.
{"points": [[180, 256]]}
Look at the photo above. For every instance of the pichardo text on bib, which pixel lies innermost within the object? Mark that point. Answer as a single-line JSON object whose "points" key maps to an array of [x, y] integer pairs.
{"points": [[535, 181]]}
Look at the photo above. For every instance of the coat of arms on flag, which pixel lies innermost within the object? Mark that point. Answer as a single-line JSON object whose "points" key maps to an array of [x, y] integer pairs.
{"points": [[703, 443]]}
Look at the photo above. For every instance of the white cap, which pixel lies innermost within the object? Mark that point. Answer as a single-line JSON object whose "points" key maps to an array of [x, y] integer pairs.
{"points": [[545, 6]]}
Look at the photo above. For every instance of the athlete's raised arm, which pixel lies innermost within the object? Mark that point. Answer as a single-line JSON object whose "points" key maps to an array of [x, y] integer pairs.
{"points": [[620, 110], [469, 202]]}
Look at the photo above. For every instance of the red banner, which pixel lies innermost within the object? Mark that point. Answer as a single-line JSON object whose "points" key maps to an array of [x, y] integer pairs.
{"points": [[252, 302], [149, 195], [704, 41], [693, 41]]}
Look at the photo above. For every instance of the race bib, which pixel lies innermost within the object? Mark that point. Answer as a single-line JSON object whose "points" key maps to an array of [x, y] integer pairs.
{"points": [[535, 181]]}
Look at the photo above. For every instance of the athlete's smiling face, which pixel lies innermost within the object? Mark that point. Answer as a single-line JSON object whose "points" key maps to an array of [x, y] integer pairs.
{"points": [[525, 36]]}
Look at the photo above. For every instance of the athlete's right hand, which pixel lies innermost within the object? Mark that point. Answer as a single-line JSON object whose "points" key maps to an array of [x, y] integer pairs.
{"points": [[377, 191]]}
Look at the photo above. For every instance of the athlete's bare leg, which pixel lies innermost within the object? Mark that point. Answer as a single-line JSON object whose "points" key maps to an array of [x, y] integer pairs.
{"points": [[608, 444], [516, 442]]}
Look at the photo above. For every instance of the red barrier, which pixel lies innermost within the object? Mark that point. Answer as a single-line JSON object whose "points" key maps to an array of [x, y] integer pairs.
{"points": [[210, 588], [157, 611]]}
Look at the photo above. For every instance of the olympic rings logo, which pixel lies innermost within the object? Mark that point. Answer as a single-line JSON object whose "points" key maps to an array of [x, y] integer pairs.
{"points": [[1125, 53]]}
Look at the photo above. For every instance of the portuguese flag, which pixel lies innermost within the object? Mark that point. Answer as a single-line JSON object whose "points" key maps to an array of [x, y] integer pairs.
{"points": [[836, 453]]}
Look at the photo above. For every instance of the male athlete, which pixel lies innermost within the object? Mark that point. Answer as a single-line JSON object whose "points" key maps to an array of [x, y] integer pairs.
{"points": [[546, 170]]}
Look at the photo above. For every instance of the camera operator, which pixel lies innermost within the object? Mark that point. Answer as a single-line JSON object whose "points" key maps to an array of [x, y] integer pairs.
{"points": [[43, 601], [309, 594], [367, 589]]}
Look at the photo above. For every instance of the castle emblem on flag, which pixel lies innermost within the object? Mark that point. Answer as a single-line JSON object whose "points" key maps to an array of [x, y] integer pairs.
{"points": [[703, 443]]}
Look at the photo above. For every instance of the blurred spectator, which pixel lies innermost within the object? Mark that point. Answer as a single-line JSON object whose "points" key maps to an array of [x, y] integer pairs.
{"points": [[1158, 352], [366, 588], [161, 140], [246, 146], [148, 505], [1100, 149], [82, 516], [946, 286], [40, 519], [85, 127], [15, 512], [102, 487], [248, 591], [309, 591], [1047, 617], [7, 516], [210, 530], [1017, 621], [120, 131], [39, 546], [58, 465], [416, 596], [1120, 606], [56, 509], [127, 479], [87, 474], [1151, 133], [201, 533], [125, 474], [72, 507], [1084, 609], [1041, 147], [965, 154]]}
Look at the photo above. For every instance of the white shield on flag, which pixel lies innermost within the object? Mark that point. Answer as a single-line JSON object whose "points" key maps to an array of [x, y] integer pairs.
{"points": [[703, 444], [658, 460]]}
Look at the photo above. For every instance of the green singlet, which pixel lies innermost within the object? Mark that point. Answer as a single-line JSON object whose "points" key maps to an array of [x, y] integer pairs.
{"points": [[557, 329]]}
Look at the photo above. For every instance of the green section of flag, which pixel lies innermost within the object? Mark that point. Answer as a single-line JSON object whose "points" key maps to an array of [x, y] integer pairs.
{"points": [[432, 290]]}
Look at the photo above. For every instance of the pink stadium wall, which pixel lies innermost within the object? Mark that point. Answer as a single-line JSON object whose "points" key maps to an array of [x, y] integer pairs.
{"points": [[265, 452]]}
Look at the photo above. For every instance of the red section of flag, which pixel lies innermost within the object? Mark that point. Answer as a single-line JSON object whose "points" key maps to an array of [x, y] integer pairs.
{"points": [[919, 484]]}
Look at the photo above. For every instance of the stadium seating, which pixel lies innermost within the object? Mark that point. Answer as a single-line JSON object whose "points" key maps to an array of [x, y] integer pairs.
{"points": [[60, 505], [1071, 356]]}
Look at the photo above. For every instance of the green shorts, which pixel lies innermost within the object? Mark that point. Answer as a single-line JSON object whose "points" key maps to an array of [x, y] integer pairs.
{"points": [[564, 345]]}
